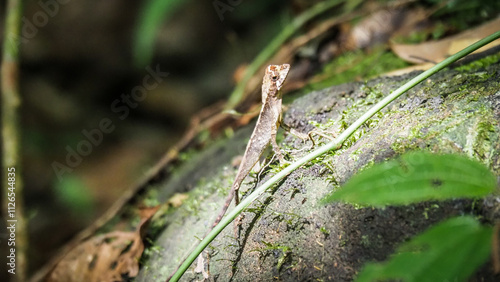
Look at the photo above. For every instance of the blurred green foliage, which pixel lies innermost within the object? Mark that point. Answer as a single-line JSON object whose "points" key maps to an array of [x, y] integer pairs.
{"points": [[74, 194], [153, 14]]}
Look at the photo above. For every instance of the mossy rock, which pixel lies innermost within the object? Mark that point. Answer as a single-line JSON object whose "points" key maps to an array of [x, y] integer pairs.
{"points": [[287, 234]]}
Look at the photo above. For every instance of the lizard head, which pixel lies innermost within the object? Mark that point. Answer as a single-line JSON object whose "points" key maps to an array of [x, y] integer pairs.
{"points": [[273, 79]]}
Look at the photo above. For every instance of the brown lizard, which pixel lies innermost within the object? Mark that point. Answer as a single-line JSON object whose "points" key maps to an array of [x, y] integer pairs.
{"points": [[264, 132]]}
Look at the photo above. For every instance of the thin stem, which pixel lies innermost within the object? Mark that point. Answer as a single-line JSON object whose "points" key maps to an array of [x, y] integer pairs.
{"points": [[274, 46], [334, 145]]}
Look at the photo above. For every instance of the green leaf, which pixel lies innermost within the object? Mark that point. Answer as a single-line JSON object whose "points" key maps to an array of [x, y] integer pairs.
{"points": [[153, 14], [449, 251], [416, 177]]}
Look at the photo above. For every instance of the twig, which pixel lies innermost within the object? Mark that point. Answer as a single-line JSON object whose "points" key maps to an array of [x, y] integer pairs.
{"points": [[274, 45]]}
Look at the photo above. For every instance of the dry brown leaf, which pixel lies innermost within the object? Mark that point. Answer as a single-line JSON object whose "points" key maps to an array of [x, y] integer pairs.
{"points": [[107, 257], [377, 28], [420, 67], [436, 51], [103, 258]]}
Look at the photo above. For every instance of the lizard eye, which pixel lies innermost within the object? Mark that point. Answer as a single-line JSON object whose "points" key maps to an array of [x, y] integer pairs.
{"points": [[274, 78]]}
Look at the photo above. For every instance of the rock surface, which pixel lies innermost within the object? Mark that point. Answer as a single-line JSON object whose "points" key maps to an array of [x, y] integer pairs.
{"points": [[287, 234]]}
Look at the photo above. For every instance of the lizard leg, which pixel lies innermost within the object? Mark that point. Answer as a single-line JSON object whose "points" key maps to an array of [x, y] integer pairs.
{"points": [[276, 148], [328, 135], [236, 195], [296, 133]]}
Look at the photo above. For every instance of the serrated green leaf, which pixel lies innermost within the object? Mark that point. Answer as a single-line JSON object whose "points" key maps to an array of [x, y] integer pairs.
{"points": [[449, 251], [416, 177]]}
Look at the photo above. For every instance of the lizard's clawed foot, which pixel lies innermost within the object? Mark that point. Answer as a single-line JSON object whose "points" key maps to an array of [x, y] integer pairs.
{"points": [[282, 160], [237, 223]]}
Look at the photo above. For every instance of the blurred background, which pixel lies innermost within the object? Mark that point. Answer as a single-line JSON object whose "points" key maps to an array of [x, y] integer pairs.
{"points": [[78, 59]]}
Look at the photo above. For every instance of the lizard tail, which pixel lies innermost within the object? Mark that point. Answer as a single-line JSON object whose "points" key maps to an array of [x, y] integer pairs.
{"points": [[222, 212]]}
